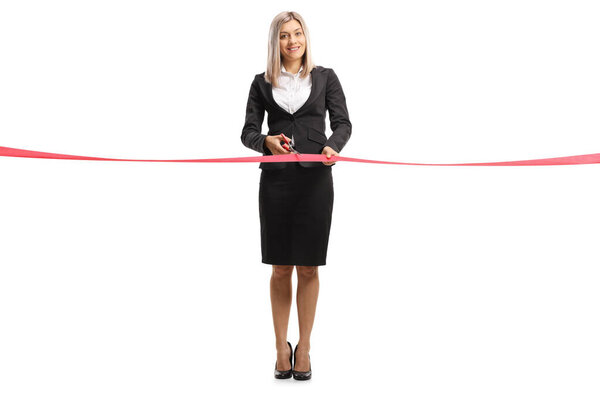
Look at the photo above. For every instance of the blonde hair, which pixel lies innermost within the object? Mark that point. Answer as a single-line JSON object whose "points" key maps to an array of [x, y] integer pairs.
{"points": [[274, 53]]}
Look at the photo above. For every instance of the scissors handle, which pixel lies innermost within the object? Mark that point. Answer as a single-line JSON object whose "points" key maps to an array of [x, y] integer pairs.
{"points": [[290, 146]]}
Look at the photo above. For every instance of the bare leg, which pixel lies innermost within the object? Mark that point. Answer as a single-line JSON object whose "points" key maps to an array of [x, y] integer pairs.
{"points": [[306, 299], [281, 302]]}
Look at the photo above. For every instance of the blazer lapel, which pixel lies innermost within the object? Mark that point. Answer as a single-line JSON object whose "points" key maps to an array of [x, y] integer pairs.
{"points": [[318, 84]]}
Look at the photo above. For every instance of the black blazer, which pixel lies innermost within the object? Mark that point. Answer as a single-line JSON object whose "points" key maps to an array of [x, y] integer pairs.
{"points": [[307, 124]]}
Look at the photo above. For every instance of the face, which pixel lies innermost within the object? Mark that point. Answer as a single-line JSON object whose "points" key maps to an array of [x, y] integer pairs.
{"points": [[291, 37]]}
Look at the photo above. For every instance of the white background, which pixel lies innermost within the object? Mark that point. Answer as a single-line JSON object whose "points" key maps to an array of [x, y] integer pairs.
{"points": [[130, 280]]}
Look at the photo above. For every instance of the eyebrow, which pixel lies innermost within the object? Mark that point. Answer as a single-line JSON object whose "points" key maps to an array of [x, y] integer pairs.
{"points": [[288, 32]]}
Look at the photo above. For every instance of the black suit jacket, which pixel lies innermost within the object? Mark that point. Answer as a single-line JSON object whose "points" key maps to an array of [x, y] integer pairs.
{"points": [[307, 124]]}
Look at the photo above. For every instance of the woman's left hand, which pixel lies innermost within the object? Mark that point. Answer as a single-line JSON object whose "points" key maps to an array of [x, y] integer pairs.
{"points": [[328, 151]]}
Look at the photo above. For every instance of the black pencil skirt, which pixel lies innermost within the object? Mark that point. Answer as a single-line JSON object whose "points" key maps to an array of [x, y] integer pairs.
{"points": [[295, 208]]}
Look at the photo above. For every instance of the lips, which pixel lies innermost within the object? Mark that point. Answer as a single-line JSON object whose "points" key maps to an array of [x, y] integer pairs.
{"points": [[292, 49]]}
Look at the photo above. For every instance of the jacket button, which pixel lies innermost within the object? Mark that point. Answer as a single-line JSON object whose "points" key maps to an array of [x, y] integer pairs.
{"points": [[292, 117]]}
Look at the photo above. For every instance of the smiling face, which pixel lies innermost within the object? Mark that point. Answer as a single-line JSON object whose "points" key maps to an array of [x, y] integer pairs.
{"points": [[292, 41]]}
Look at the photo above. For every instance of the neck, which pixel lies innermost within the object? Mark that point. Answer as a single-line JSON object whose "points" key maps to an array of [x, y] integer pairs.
{"points": [[292, 66]]}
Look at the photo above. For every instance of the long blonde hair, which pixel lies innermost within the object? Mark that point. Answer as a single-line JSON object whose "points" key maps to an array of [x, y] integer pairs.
{"points": [[274, 57]]}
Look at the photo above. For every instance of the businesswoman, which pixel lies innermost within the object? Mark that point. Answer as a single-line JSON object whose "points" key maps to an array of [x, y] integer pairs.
{"points": [[295, 198]]}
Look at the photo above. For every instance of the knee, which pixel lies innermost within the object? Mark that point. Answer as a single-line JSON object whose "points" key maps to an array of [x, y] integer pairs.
{"points": [[307, 272], [282, 271]]}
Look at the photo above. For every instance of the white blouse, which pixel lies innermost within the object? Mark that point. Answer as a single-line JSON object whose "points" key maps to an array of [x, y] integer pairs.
{"points": [[292, 92]]}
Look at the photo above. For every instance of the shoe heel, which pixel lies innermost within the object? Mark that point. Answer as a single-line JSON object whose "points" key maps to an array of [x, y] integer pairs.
{"points": [[287, 373], [301, 375]]}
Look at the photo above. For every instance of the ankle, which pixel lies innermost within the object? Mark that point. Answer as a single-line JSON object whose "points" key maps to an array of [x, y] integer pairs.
{"points": [[303, 347], [282, 347]]}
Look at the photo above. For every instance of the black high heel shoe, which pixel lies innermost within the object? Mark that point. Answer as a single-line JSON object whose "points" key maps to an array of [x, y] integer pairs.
{"points": [[301, 375], [284, 374]]}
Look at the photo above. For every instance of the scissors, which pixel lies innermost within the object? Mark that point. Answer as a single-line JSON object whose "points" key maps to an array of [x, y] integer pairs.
{"points": [[290, 144]]}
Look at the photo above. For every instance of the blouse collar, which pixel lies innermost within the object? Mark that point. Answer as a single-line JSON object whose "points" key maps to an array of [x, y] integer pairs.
{"points": [[289, 73]]}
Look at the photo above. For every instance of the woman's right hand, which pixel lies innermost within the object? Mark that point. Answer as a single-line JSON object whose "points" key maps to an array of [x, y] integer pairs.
{"points": [[273, 143]]}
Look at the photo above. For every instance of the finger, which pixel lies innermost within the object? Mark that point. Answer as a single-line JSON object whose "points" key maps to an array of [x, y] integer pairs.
{"points": [[286, 144]]}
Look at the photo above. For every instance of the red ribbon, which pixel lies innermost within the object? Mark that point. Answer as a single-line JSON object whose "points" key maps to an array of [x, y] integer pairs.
{"points": [[569, 160]]}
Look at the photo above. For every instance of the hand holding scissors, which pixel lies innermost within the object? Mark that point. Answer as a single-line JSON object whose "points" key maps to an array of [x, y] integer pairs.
{"points": [[273, 143]]}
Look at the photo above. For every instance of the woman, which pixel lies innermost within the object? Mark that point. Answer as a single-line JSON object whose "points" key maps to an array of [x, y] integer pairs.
{"points": [[295, 198]]}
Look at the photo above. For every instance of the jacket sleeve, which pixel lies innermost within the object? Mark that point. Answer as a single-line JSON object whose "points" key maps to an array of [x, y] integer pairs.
{"points": [[255, 115], [339, 120]]}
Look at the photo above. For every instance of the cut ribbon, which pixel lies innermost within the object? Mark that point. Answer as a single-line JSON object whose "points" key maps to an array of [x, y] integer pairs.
{"points": [[569, 160]]}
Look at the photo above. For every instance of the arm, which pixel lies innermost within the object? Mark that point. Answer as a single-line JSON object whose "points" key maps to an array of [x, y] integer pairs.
{"points": [[255, 115], [339, 120]]}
